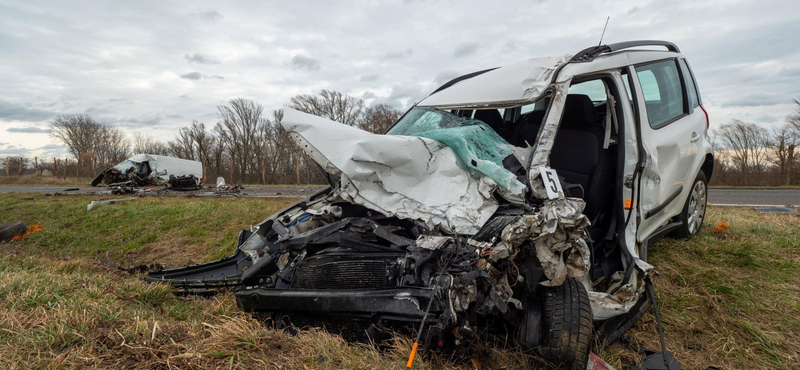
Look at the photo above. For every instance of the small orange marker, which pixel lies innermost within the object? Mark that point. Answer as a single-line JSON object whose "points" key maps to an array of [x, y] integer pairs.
{"points": [[628, 203], [411, 356]]}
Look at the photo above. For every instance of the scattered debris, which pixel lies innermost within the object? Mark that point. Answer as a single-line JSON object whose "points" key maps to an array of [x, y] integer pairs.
{"points": [[12, 230], [31, 229], [721, 226], [98, 203], [778, 209]]}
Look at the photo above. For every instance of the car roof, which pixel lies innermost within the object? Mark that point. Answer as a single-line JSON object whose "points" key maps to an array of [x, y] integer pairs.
{"points": [[526, 81]]}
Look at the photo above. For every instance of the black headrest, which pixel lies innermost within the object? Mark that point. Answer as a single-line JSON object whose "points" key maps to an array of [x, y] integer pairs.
{"points": [[490, 117], [579, 111]]}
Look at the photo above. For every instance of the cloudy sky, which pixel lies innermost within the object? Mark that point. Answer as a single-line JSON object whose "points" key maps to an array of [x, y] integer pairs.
{"points": [[153, 66]]}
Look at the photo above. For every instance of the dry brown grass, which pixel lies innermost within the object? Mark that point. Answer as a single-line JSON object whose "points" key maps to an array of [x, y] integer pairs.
{"points": [[730, 298]]}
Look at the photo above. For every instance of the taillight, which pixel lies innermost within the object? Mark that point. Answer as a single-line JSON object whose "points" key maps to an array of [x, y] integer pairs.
{"points": [[707, 121]]}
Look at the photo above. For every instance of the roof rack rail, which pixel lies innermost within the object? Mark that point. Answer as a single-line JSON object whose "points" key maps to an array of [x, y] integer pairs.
{"points": [[588, 54], [632, 44]]}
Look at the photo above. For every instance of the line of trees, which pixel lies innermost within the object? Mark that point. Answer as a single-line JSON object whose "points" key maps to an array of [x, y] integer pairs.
{"points": [[747, 154], [247, 144]]}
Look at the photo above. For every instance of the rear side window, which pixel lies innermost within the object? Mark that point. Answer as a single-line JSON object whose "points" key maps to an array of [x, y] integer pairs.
{"points": [[663, 92], [691, 88]]}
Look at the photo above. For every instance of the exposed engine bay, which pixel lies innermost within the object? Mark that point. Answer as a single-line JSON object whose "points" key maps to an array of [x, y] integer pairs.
{"points": [[329, 262]]}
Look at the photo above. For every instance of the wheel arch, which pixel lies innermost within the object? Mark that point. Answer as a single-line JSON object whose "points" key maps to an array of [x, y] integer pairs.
{"points": [[708, 166]]}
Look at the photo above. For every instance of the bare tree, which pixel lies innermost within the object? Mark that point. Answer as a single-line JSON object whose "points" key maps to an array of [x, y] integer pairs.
{"points": [[183, 145], [79, 132], [747, 145], [378, 118], [783, 141], [112, 148], [146, 144], [794, 119], [237, 130], [332, 105]]}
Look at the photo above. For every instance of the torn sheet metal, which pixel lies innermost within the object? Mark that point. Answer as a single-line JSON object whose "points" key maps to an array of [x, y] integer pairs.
{"points": [[408, 177], [547, 137], [511, 84], [150, 169], [618, 300], [556, 230]]}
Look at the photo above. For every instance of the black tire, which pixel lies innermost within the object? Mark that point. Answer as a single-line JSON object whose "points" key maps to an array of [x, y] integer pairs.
{"points": [[566, 325], [694, 210]]}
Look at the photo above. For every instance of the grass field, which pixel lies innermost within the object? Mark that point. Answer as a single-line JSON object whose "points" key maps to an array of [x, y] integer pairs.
{"points": [[729, 298]]}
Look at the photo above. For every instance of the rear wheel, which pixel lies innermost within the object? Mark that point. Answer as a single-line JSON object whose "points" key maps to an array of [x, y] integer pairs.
{"points": [[566, 325], [694, 211]]}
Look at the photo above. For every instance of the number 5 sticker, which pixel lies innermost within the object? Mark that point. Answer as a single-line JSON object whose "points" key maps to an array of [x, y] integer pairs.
{"points": [[551, 183]]}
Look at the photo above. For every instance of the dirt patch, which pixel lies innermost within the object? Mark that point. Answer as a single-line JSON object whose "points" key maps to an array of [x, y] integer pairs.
{"points": [[171, 251]]}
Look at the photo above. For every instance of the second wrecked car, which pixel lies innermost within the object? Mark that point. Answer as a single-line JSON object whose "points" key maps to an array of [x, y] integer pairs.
{"points": [[151, 169], [518, 200]]}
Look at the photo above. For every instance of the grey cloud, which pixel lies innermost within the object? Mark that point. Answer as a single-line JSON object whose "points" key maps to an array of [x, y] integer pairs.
{"points": [[28, 130], [198, 58], [369, 78], [368, 95], [18, 112], [192, 76], [199, 76], [789, 72], [755, 100], [465, 49], [445, 76], [209, 15], [767, 119], [304, 62], [399, 54]]}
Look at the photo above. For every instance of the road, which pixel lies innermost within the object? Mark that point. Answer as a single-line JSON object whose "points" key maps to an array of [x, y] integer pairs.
{"points": [[776, 197], [715, 196], [249, 191]]}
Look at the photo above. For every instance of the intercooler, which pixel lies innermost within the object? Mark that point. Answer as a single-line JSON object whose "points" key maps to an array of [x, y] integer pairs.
{"points": [[344, 272]]}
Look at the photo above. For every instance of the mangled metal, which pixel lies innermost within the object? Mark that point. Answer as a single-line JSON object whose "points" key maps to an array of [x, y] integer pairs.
{"points": [[395, 174], [442, 223], [150, 169]]}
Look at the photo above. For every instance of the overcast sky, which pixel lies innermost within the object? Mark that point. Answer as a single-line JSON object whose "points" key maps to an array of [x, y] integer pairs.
{"points": [[155, 66]]}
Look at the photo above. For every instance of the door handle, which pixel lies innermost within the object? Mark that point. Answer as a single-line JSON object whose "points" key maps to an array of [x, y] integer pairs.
{"points": [[695, 137]]}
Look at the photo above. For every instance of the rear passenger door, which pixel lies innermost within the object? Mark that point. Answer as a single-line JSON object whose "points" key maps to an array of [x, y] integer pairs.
{"points": [[672, 126]]}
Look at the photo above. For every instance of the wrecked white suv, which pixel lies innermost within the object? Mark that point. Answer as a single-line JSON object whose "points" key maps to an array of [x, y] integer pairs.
{"points": [[516, 200]]}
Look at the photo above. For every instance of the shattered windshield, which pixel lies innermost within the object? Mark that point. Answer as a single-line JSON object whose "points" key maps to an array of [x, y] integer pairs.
{"points": [[476, 145], [420, 120], [124, 165]]}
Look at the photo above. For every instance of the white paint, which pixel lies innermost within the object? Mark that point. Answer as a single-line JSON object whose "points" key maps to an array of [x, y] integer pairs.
{"points": [[403, 176]]}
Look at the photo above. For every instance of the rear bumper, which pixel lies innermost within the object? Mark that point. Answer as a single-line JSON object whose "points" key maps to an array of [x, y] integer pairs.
{"points": [[409, 302]]}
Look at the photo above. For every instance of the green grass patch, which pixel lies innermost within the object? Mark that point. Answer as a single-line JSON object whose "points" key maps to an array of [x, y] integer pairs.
{"points": [[728, 298]]}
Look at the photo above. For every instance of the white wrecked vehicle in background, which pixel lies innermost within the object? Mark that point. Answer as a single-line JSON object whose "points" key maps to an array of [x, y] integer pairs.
{"points": [[151, 169], [515, 200]]}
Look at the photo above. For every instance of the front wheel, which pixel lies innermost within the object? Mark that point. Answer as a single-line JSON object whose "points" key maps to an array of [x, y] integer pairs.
{"points": [[694, 211], [567, 325]]}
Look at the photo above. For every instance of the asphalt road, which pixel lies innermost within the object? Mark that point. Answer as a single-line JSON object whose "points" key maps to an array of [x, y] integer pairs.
{"points": [[715, 196], [249, 191], [773, 197]]}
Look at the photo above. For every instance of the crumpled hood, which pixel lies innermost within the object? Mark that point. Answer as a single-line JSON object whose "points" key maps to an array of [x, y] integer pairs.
{"points": [[404, 176]]}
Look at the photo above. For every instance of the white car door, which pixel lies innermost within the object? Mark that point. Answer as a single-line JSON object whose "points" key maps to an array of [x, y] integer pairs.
{"points": [[671, 135]]}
